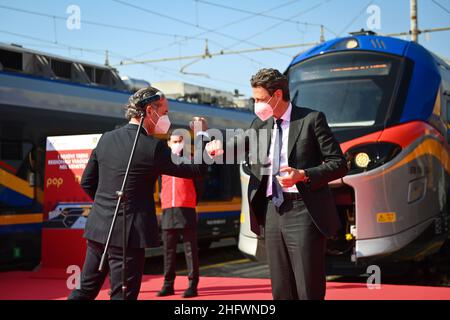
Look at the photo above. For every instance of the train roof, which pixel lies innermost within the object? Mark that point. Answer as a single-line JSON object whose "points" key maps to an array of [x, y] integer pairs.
{"points": [[430, 74], [366, 42], [20, 48], [34, 82], [19, 60]]}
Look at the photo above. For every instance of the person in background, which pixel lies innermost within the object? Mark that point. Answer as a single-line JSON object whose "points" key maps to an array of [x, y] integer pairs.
{"points": [[178, 202]]}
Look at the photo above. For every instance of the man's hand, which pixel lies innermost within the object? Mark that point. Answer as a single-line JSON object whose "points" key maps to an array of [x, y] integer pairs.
{"points": [[214, 148], [198, 124], [293, 176]]}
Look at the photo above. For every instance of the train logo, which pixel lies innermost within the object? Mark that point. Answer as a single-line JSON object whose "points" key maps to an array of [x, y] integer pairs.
{"points": [[56, 182]]}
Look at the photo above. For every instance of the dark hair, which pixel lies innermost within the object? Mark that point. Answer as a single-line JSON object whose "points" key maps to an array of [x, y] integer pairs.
{"points": [[173, 132], [132, 108], [271, 80]]}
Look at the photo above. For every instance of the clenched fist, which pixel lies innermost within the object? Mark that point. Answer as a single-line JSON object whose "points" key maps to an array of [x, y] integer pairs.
{"points": [[214, 148]]}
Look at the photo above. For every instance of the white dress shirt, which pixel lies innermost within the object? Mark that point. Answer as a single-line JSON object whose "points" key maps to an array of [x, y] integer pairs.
{"points": [[286, 117]]}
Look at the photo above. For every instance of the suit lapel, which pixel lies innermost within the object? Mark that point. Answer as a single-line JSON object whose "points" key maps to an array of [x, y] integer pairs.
{"points": [[295, 127]]}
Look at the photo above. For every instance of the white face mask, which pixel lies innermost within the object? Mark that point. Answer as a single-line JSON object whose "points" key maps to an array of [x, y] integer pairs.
{"points": [[177, 147], [162, 125], [263, 109]]}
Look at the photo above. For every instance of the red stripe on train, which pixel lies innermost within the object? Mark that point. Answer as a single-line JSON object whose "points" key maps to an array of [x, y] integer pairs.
{"points": [[403, 135]]}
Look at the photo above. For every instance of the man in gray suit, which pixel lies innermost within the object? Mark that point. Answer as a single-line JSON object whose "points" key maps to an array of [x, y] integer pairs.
{"points": [[290, 202]]}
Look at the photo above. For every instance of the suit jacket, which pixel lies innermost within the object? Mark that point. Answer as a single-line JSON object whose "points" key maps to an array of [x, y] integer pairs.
{"points": [[104, 175], [312, 147]]}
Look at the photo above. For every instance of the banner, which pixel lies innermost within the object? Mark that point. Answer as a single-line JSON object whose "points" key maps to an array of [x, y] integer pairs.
{"points": [[65, 161]]}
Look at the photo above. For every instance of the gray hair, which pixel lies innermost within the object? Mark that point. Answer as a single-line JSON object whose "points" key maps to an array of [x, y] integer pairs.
{"points": [[132, 109]]}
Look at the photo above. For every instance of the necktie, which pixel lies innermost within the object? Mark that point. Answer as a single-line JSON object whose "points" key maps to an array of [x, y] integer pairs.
{"points": [[277, 190]]}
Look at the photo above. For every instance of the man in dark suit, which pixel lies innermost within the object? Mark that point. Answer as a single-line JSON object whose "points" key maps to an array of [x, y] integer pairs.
{"points": [[290, 202], [103, 177]]}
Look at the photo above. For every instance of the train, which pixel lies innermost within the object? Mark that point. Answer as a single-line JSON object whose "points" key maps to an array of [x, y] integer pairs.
{"points": [[387, 101], [44, 95]]}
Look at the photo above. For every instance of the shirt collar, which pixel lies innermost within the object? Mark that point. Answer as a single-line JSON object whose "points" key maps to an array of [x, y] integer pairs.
{"points": [[287, 114], [137, 124]]}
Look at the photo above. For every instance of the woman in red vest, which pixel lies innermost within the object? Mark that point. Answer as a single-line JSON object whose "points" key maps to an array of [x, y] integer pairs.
{"points": [[178, 202]]}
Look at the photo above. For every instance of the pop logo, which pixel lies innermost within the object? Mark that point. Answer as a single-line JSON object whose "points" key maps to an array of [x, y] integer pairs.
{"points": [[57, 182]]}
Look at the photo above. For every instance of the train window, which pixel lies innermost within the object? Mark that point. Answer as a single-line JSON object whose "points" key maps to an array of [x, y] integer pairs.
{"points": [[62, 69], [220, 183], [14, 160], [11, 150], [99, 74], [213, 183], [14, 156], [90, 72], [11, 60], [352, 89]]}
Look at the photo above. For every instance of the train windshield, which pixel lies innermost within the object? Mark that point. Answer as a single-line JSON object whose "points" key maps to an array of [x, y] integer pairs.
{"points": [[353, 89]]}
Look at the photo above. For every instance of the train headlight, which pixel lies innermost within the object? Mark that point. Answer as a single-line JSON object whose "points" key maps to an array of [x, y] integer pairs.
{"points": [[370, 156], [362, 160], [351, 44], [346, 44]]}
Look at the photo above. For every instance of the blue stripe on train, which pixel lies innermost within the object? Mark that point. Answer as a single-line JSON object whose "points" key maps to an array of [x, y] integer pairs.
{"points": [[20, 228], [13, 198], [35, 227]]}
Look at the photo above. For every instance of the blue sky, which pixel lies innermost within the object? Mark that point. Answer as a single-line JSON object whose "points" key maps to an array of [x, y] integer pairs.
{"points": [[172, 28]]}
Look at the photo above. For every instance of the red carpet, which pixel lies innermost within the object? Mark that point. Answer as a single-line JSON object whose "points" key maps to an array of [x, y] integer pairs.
{"points": [[51, 285]]}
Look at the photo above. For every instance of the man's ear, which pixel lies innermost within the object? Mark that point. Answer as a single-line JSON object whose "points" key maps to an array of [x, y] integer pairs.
{"points": [[279, 93], [148, 110]]}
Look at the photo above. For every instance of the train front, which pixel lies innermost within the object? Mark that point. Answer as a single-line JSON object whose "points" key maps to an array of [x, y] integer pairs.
{"points": [[383, 101]]}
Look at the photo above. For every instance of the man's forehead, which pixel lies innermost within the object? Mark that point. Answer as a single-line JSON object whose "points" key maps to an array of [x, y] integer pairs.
{"points": [[176, 137], [259, 91], [161, 103]]}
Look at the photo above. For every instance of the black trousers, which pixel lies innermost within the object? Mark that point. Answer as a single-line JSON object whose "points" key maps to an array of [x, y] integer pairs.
{"points": [[295, 253], [170, 239], [92, 280]]}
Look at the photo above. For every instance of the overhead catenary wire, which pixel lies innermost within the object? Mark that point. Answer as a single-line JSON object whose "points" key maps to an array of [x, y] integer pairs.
{"points": [[55, 43], [60, 44], [220, 53], [100, 24], [352, 21], [214, 31], [119, 56], [252, 14], [399, 34], [277, 24], [262, 14], [208, 30], [441, 6]]}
